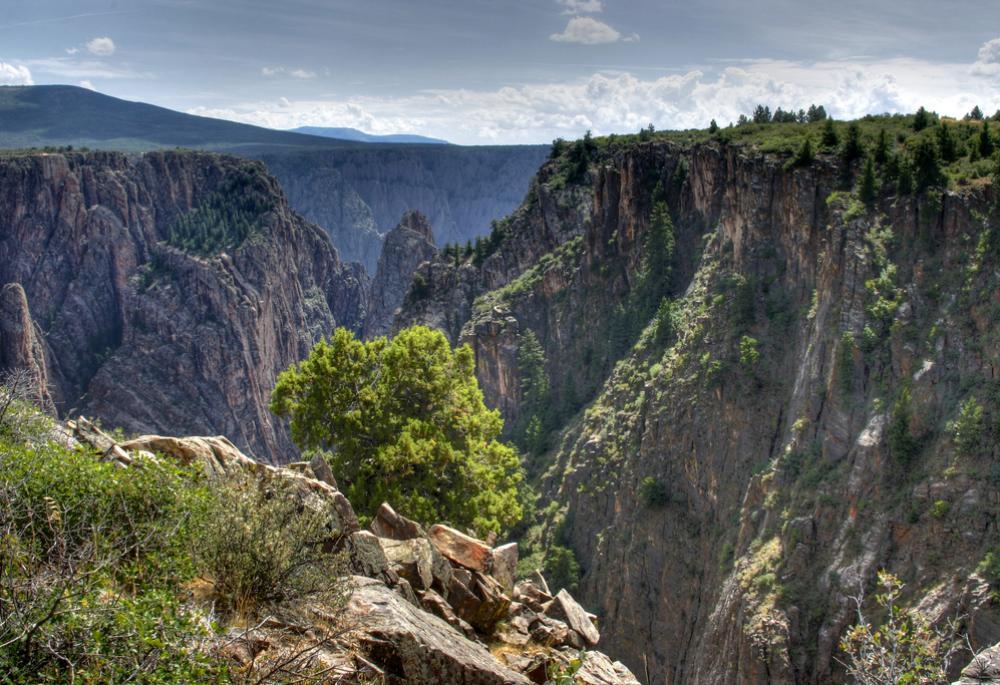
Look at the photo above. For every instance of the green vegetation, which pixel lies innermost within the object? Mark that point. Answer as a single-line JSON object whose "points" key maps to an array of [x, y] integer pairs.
{"points": [[903, 446], [968, 428], [405, 422], [906, 648], [653, 493], [227, 217], [561, 568], [536, 409], [749, 352]]}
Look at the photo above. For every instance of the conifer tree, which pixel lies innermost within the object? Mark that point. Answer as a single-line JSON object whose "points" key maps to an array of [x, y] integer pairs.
{"points": [[921, 120], [805, 155], [829, 139], [852, 148], [881, 147], [985, 141], [946, 143], [866, 189]]}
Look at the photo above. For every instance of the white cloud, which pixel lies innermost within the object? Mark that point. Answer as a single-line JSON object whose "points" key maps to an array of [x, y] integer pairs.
{"points": [[15, 75], [620, 102], [581, 6], [271, 72], [588, 31], [102, 47], [72, 51], [87, 84], [988, 63], [77, 69]]}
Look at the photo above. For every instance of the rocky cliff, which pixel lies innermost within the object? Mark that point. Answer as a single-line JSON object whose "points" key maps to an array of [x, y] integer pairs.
{"points": [[358, 194], [165, 292], [405, 248], [814, 398]]}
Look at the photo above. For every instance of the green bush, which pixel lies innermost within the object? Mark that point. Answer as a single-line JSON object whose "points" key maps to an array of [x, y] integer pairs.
{"points": [[260, 546], [902, 445], [653, 492], [561, 568], [749, 352], [967, 428]]}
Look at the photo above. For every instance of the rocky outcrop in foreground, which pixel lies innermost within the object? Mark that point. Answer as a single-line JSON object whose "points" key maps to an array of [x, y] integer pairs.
{"points": [[164, 292], [424, 607]]}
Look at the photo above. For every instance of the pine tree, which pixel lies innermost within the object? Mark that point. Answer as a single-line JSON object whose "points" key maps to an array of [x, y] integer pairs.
{"points": [[946, 143], [866, 189], [658, 255], [713, 127], [805, 155], [881, 147], [976, 114], [921, 120], [829, 139], [852, 148], [926, 166], [985, 141], [904, 186]]}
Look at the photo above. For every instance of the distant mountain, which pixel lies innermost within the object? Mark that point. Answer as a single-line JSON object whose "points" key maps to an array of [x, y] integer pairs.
{"points": [[357, 136], [36, 116]]}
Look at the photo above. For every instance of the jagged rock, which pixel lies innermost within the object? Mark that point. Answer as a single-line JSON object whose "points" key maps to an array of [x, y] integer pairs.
{"points": [[597, 669], [554, 633], [412, 560], [21, 346], [388, 524], [528, 593], [462, 549], [505, 565], [984, 668], [322, 471], [478, 599], [404, 589], [565, 608], [145, 335], [405, 248], [539, 579], [417, 648], [436, 604], [367, 558]]}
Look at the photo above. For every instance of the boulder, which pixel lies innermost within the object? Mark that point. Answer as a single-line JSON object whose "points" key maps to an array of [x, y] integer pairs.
{"points": [[551, 632], [598, 669], [984, 668], [462, 549], [411, 559], [414, 647], [388, 524], [367, 558], [505, 565], [531, 596], [436, 604], [321, 469], [479, 600], [567, 609]]}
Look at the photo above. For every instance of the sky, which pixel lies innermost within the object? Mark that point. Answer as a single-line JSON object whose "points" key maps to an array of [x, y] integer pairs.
{"points": [[510, 71]]}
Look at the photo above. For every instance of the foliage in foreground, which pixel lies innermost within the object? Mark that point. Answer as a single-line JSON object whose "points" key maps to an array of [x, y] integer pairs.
{"points": [[906, 648], [404, 421]]}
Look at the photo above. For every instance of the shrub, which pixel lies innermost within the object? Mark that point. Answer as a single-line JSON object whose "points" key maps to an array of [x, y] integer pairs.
{"points": [[967, 428], [561, 568], [939, 509], [749, 352], [261, 546], [906, 648], [902, 445], [653, 493]]}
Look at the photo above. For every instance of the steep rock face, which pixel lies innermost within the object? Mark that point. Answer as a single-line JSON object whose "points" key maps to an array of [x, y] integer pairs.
{"points": [[406, 247], [20, 344], [358, 194], [793, 430], [152, 337]]}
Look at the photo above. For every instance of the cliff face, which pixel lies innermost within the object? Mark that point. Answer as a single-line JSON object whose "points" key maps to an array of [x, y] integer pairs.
{"points": [[405, 248], [358, 194], [153, 334], [791, 423]]}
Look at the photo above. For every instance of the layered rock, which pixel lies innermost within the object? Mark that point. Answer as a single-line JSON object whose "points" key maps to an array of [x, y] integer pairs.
{"points": [[405, 248], [152, 337], [737, 476]]}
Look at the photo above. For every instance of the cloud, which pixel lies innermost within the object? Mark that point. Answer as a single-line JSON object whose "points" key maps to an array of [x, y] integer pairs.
{"points": [[588, 31], [72, 51], [102, 47], [581, 6], [621, 102], [87, 84], [77, 69], [988, 62], [271, 72], [15, 75]]}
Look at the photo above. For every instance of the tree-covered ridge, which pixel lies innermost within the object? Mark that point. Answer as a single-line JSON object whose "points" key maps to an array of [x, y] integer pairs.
{"points": [[228, 216]]}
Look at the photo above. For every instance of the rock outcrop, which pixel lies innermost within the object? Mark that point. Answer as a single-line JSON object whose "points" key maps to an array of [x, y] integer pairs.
{"points": [[789, 425], [405, 248], [412, 616], [21, 349], [148, 333]]}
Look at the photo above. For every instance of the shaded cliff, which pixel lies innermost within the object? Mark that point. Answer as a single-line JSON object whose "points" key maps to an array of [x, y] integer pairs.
{"points": [[358, 194], [787, 419], [169, 289]]}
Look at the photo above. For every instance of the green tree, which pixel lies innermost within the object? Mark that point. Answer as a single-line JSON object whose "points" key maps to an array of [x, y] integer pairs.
{"points": [[947, 146], [805, 155], [985, 141], [921, 120], [852, 148], [713, 127], [866, 189], [904, 183], [405, 422], [881, 147], [659, 242], [830, 138], [927, 166], [976, 114]]}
